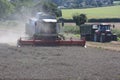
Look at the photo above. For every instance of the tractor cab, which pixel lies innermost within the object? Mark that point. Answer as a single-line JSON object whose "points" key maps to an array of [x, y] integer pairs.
{"points": [[104, 28], [103, 33]]}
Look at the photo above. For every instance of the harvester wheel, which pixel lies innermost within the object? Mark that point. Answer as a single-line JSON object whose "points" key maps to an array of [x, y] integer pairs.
{"points": [[19, 43]]}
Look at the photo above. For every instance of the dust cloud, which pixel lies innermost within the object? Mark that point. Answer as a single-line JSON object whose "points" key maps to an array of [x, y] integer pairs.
{"points": [[10, 34]]}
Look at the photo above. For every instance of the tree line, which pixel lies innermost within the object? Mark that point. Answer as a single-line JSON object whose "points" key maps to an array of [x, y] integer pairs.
{"points": [[83, 3], [8, 7]]}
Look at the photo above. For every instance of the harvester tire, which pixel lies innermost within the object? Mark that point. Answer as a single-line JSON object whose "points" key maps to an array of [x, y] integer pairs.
{"points": [[18, 44]]}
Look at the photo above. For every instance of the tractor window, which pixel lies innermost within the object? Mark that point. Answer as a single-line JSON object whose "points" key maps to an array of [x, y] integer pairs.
{"points": [[104, 27], [95, 26]]}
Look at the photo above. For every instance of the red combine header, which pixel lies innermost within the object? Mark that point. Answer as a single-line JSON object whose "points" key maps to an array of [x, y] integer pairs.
{"points": [[33, 42]]}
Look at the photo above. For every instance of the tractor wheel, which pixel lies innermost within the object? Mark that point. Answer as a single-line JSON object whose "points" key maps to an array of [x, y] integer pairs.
{"points": [[102, 38], [95, 38], [114, 37]]}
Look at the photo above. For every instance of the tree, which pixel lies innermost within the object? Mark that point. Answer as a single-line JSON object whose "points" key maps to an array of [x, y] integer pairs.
{"points": [[79, 19], [111, 2], [22, 8], [6, 8], [20, 3], [49, 7], [57, 2]]}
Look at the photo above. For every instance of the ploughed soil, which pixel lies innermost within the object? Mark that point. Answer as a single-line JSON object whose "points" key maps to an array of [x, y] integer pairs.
{"points": [[56, 62]]}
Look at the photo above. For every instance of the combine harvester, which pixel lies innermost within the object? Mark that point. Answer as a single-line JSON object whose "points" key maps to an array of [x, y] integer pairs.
{"points": [[43, 30]]}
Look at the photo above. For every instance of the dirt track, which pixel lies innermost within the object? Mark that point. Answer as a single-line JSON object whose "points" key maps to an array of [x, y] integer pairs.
{"points": [[113, 45], [58, 63]]}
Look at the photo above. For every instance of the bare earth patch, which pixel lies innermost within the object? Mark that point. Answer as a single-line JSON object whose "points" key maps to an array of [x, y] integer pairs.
{"points": [[114, 45], [58, 63]]}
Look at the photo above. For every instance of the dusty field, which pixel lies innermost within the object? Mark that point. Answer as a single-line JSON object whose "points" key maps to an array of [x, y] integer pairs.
{"points": [[54, 63], [114, 45], [58, 63], [9, 34]]}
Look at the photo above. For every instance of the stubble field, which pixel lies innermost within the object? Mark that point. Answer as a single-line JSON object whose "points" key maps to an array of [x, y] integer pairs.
{"points": [[58, 63], [54, 63]]}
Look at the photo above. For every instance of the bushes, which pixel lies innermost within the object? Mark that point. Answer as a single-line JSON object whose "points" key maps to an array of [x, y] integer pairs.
{"points": [[79, 18], [6, 8], [96, 20], [105, 20], [117, 32], [68, 20]]}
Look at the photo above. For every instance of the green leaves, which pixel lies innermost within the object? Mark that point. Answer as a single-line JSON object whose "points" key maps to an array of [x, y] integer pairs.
{"points": [[5, 8], [8, 7], [48, 7], [79, 19]]}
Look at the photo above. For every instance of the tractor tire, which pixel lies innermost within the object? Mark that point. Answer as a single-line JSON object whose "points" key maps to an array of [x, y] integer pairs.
{"points": [[88, 37], [114, 37], [95, 38], [102, 38]]}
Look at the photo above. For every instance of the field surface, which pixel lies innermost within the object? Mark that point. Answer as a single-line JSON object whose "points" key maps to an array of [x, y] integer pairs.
{"points": [[102, 12], [54, 63], [58, 63]]}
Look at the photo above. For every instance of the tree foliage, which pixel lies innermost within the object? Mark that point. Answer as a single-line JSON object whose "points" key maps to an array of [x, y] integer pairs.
{"points": [[49, 7], [5, 8], [9, 6], [83, 3], [79, 19], [20, 3]]}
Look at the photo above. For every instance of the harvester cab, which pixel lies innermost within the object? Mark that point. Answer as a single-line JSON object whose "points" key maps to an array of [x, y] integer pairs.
{"points": [[43, 26]]}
